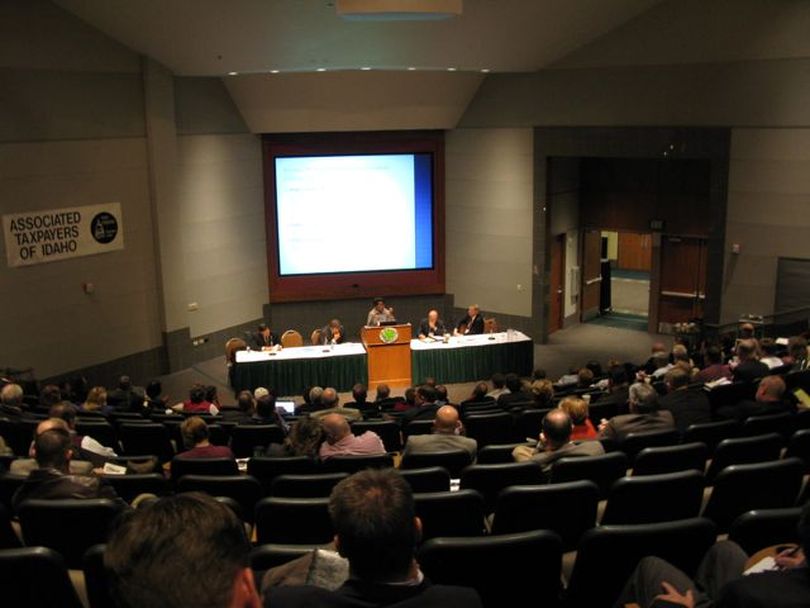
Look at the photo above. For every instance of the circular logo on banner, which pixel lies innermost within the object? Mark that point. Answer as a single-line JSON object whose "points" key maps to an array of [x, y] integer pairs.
{"points": [[104, 227], [388, 335]]}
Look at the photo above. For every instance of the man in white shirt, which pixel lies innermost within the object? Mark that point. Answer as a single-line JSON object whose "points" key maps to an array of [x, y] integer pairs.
{"points": [[379, 313]]}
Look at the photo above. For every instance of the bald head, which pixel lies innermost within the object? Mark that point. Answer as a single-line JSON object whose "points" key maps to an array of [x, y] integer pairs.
{"points": [[329, 397], [557, 428], [446, 421], [771, 388], [336, 427], [50, 424]]}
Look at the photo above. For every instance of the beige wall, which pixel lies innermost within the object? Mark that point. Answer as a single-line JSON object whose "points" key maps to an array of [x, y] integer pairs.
{"points": [[489, 188]]}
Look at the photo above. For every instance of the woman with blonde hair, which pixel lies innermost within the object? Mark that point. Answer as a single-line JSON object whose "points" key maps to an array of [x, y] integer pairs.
{"points": [[96, 400], [577, 409]]}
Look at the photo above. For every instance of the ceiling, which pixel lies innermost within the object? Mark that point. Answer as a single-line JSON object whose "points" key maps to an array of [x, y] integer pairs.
{"points": [[217, 37]]}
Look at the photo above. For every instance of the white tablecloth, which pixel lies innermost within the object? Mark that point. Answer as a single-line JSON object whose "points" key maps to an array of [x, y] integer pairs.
{"points": [[476, 340], [301, 352]]}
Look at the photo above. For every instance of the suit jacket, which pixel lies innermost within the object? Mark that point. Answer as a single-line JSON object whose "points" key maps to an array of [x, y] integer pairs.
{"points": [[440, 442], [326, 335], [258, 342], [750, 370], [688, 406], [618, 397], [545, 459], [474, 326], [782, 589], [619, 427], [424, 328], [357, 594], [424, 412], [53, 484], [349, 413], [747, 408], [507, 400]]}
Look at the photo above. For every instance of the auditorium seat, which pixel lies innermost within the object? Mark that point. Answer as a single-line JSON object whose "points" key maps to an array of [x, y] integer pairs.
{"points": [[452, 460], [602, 470], [761, 528], [598, 411], [635, 442], [745, 487], [458, 513], [102, 431], [607, 556], [144, 461], [315, 337], [202, 466], [69, 526], [781, 424], [8, 539], [293, 521], [654, 498], [245, 438], [416, 427], [670, 459], [244, 489], [388, 430], [497, 454], [95, 578], [799, 447], [490, 325], [524, 566], [36, 576], [489, 429], [142, 438], [267, 468], [490, 479], [711, 433], [353, 464], [291, 339], [528, 424], [732, 394], [128, 487], [569, 509], [744, 450], [8, 485], [271, 555], [427, 479], [306, 486]]}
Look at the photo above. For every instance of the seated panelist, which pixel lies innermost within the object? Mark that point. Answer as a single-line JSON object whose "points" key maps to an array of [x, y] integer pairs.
{"points": [[432, 326], [264, 339], [333, 333], [380, 314], [472, 323]]}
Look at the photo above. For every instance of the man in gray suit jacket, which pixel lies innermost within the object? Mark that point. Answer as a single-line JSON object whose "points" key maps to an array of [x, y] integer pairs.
{"points": [[644, 416], [446, 435]]}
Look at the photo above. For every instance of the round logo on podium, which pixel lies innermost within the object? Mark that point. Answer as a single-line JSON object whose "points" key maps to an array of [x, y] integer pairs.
{"points": [[388, 335]]}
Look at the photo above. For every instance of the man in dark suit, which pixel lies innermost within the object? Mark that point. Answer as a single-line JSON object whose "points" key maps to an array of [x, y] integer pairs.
{"points": [[618, 391], [472, 323], [516, 395], [769, 400], [426, 406], [688, 406], [126, 397], [377, 531], [263, 338], [749, 367], [719, 580], [333, 333], [644, 416], [432, 326]]}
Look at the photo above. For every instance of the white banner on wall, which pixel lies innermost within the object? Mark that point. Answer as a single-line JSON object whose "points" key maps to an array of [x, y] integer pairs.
{"points": [[37, 237]]}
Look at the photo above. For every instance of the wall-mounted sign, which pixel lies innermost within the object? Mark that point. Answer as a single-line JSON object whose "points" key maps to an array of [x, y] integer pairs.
{"points": [[657, 225], [37, 237]]}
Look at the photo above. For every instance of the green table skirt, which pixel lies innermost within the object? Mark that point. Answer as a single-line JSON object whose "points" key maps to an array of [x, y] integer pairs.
{"points": [[448, 365], [291, 377]]}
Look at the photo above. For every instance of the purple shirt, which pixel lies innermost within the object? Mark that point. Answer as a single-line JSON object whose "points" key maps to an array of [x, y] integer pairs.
{"points": [[369, 443], [208, 451]]}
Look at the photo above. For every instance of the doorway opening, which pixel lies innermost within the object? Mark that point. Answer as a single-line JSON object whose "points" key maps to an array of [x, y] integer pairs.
{"points": [[628, 266]]}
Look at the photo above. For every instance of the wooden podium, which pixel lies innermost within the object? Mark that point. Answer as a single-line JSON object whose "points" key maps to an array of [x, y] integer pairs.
{"points": [[389, 354]]}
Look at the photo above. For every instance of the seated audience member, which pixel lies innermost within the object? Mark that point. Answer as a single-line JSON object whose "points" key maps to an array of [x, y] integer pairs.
{"points": [[361, 402], [542, 394], [425, 405], [331, 405], [263, 338], [125, 397], [577, 410], [212, 397], [183, 550], [379, 313], [478, 396], [555, 443], [644, 416], [538, 374], [53, 450], [657, 353], [662, 363], [748, 367], [769, 399], [377, 531], [431, 326], [313, 404], [618, 389], [385, 402], [86, 447], [595, 368], [681, 353], [715, 368], [585, 378], [24, 466], [49, 395], [442, 398], [408, 399], [197, 403], [304, 439], [96, 401], [688, 407], [333, 333], [517, 395], [498, 385], [340, 441], [195, 438], [720, 582], [266, 411], [797, 356], [11, 402], [155, 399], [770, 351], [747, 331], [446, 435], [472, 323], [244, 410]]}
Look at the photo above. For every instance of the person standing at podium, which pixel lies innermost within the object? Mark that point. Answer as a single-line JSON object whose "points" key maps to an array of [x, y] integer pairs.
{"points": [[380, 314], [472, 323], [432, 326]]}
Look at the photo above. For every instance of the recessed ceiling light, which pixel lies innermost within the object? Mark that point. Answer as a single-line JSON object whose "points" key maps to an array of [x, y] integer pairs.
{"points": [[233, 73], [365, 68], [411, 68], [320, 70], [274, 71], [485, 70], [451, 69]]}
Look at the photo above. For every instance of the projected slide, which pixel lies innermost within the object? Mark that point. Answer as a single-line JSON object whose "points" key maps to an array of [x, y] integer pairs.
{"points": [[354, 213]]}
